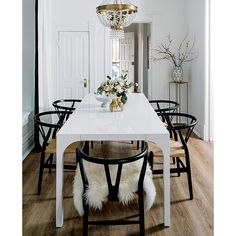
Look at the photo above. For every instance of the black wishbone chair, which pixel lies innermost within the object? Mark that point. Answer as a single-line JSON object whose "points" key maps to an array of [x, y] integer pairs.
{"points": [[161, 107], [179, 136], [66, 105], [113, 191], [49, 123], [164, 106]]}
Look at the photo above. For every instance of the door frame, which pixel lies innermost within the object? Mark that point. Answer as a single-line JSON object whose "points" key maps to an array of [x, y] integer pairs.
{"points": [[130, 33], [151, 19], [89, 27], [60, 34]]}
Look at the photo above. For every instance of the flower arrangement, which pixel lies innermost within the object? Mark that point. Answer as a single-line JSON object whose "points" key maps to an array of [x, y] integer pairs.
{"points": [[115, 87], [184, 55]]}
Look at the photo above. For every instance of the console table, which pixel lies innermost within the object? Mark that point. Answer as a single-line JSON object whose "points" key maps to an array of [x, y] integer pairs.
{"points": [[178, 94]]}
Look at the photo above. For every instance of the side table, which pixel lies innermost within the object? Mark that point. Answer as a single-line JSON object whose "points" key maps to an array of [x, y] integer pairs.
{"points": [[178, 93]]}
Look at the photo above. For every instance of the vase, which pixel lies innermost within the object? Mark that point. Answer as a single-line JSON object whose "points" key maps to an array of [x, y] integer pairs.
{"points": [[124, 98], [178, 74]]}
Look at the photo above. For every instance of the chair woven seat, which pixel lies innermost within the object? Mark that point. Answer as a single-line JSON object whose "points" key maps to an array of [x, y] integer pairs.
{"points": [[176, 149], [51, 147]]}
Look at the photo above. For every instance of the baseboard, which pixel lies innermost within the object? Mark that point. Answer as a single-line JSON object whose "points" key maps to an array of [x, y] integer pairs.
{"points": [[27, 136], [27, 152], [197, 133]]}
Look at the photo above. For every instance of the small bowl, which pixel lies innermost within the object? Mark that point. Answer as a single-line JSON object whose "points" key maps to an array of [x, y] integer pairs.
{"points": [[103, 98]]}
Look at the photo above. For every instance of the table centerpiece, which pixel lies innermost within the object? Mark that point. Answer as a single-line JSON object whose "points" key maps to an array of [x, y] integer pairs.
{"points": [[113, 88]]}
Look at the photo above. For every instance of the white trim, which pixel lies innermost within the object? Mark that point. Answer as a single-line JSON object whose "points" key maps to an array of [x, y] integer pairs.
{"points": [[140, 58], [208, 108], [108, 53], [27, 136], [92, 56], [152, 19]]}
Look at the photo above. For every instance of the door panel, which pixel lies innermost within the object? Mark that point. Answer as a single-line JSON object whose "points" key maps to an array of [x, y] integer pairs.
{"points": [[73, 64]]}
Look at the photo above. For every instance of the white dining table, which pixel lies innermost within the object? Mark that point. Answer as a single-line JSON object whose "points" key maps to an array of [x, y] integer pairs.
{"points": [[91, 122]]}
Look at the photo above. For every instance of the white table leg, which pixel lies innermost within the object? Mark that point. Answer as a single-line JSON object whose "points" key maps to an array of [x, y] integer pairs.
{"points": [[166, 180], [163, 142], [59, 184]]}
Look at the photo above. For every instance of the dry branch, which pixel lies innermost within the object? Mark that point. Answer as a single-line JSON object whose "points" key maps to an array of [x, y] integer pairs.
{"points": [[185, 52]]}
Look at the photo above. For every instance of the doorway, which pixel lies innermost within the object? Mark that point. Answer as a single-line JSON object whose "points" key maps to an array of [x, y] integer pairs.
{"points": [[123, 56], [132, 54]]}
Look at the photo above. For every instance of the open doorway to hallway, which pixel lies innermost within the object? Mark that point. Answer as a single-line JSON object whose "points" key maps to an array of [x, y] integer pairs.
{"points": [[132, 54]]}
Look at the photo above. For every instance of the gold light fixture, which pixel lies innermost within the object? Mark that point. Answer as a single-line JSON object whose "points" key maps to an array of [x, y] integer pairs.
{"points": [[116, 14]]}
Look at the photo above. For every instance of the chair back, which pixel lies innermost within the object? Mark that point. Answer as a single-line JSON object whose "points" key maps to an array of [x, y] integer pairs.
{"points": [[49, 123], [65, 105], [180, 126], [164, 106], [113, 190]]}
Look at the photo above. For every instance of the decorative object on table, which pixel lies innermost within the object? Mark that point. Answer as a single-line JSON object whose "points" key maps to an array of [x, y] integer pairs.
{"points": [[116, 14], [184, 55], [116, 103], [104, 99], [113, 88]]}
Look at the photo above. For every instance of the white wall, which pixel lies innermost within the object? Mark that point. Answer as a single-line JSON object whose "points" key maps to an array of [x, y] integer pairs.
{"points": [[198, 72], [167, 18], [28, 75], [78, 15], [174, 17], [28, 55]]}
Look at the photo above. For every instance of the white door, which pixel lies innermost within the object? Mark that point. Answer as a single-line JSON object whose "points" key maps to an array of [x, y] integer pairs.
{"points": [[73, 65], [127, 55]]}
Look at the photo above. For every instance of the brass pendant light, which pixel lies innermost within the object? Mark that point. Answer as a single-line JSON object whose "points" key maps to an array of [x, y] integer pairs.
{"points": [[116, 14]]}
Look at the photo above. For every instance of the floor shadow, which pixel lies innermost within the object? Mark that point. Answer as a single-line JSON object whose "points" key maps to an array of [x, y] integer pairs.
{"points": [[179, 201], [150, 231], [155, 228]]}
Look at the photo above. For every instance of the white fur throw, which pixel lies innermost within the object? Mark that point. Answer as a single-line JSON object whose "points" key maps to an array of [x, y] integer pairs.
{"points": [[98, 189]]}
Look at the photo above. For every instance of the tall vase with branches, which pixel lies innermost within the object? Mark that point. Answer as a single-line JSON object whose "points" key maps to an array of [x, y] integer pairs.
{"points": [[183, 55]]}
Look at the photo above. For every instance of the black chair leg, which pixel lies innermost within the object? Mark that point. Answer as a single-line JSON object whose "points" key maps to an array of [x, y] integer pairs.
{"points": [[173, 159], [141, 215], [189, 177], [86, 147], [150, 160], [85, 221], [50, 164], [178, 166], [137, 145], [41, 172]]}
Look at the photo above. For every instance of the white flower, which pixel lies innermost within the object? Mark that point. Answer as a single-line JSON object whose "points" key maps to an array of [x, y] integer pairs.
{"points": [[115, 85]]}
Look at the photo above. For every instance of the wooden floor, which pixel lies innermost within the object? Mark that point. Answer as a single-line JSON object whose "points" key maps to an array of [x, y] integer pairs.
{"points": [[188, 217]]}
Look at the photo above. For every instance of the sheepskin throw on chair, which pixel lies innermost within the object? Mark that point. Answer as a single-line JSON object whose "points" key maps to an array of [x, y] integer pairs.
{"points": [[98, 189]]}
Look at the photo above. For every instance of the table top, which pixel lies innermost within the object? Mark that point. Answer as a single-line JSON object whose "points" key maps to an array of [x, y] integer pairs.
{"points": [[92, 122]]}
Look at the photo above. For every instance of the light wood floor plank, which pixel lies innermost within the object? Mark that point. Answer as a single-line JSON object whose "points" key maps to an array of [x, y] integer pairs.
{"points": [[188, 217]]}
